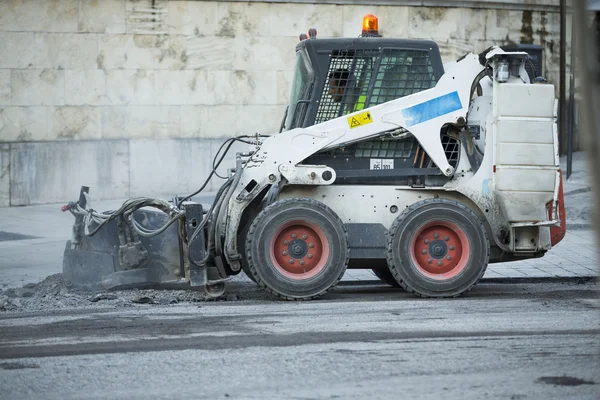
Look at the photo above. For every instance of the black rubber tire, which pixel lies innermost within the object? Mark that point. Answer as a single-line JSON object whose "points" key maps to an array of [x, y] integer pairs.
{"points": [[242, 250], [403, 264], [248, 273], [386, 276], [265, 227]]}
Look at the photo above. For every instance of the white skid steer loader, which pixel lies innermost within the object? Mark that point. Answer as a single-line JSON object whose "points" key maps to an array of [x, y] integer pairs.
{"points": [[385, 161]]}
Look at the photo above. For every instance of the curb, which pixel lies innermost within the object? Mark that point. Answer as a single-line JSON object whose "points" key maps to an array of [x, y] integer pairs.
{"points": [[543, 279], [577, 191], [576, 227], [507, 280]]}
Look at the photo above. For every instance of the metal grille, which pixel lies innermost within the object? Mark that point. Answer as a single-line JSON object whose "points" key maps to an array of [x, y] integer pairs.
{"points": [[401, 73], [348, 78], [451, 148], [358, 79], [385, 149]]}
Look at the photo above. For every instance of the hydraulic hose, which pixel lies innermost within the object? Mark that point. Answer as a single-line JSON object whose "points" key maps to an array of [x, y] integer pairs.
{"points": [[236, 181]]}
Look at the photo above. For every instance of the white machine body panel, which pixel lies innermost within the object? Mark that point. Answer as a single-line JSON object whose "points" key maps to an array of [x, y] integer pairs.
{"points": [[525, 162], [510, 186]]}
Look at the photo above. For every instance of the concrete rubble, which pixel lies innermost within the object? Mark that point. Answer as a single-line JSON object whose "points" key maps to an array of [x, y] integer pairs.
{"points": [[51, 294]]}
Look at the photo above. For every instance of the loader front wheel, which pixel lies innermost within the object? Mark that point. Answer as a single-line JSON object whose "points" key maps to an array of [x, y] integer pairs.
{"points": [[297, 249], [437, 248]]}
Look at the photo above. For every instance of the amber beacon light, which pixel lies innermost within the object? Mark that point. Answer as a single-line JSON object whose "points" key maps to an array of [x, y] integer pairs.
{"points": [[370, 25]]}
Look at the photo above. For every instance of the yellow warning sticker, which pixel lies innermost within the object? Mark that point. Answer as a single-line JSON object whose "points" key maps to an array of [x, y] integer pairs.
{"points": [[360, 119]]}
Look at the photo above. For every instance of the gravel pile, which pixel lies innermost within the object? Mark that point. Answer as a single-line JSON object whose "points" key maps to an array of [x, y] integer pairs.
{"points": [[52, 294]]}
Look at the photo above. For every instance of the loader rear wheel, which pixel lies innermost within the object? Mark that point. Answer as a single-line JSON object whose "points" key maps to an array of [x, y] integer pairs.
{"points": [[437, 248], [297, 249]]}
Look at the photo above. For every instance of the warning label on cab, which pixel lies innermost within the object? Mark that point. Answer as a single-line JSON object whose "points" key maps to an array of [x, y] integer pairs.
{"points": [[360, 119]]}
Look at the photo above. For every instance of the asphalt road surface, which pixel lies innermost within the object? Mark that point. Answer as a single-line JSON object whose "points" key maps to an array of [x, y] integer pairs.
{"points": [[503, 341]]}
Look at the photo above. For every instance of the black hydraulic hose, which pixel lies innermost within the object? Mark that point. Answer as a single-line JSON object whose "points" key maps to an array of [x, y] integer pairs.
{"points": [[474, 86], [236, 180], [229, 143], [212, 238], [211, 227], [233, 140], [532, 67], [121, 232], [106, 221], [215, 164], [213, 172], [129, 207], [132, 236], [210, 210], [189, 196], [133, 204], [147, 233], [197, 191]]}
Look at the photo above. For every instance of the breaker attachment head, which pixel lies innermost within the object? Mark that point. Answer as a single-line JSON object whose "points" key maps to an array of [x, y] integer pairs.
{"points": [[146, 243]]}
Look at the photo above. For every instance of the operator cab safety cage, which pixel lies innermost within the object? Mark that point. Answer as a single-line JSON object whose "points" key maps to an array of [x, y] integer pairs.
{"points": [[372, 72], [339, 76]]}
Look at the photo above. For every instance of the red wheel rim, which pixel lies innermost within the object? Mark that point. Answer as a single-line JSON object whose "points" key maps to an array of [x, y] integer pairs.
{"points": [[440, 250], [299, 249]]}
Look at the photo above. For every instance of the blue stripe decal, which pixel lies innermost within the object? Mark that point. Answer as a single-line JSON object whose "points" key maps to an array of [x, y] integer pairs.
{"points": [[432, 109]]}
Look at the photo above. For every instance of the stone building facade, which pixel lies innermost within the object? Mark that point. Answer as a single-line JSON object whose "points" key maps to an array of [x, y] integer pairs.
{"points": [[134, 97]]}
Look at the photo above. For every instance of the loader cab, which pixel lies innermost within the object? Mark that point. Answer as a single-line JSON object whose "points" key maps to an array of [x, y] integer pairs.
{"points": [[376, 70]]}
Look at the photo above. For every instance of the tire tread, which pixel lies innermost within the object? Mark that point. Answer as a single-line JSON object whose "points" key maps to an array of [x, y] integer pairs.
{"points": [[391, 234], [261, 216]]}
